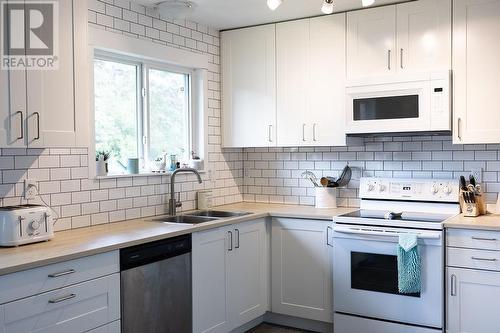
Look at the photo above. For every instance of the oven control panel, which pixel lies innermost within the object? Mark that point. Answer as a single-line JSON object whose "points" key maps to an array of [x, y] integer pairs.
{"points": [[439, 190]]}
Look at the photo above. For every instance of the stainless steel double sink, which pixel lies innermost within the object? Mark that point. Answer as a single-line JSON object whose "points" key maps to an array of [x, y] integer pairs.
{"points": [[200, 216]]}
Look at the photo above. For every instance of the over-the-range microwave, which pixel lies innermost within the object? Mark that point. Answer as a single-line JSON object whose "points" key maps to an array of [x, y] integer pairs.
{"points": [[400, 104]]}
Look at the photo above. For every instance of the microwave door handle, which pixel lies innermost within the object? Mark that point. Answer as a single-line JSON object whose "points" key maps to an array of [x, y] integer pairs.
{"points": [[381, 233]]}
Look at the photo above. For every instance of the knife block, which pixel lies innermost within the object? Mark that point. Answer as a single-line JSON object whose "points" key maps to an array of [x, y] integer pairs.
{"points": [[472, 209]]}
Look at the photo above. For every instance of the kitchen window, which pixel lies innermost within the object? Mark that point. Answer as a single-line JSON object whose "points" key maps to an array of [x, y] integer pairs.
{"points": [[142, 110]]}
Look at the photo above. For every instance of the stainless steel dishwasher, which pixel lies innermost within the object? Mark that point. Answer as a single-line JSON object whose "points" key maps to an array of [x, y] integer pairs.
{"points": [[156, 287]]}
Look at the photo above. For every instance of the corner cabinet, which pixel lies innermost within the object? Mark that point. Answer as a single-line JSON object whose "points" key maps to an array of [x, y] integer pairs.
{"points": [[408, 37], [310, 69], [249, 87], [301, 273], [49, 108], [476, 54], [230, 269]]}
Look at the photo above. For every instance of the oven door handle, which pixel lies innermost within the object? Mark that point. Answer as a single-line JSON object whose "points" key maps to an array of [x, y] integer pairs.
{"points": [[371, 232]]}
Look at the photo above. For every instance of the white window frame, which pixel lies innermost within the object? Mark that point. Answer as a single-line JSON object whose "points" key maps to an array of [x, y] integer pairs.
{"points": [[168, 58]]}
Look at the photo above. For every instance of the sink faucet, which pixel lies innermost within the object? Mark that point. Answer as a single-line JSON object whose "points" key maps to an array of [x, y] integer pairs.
{"points": [[172, 203]]}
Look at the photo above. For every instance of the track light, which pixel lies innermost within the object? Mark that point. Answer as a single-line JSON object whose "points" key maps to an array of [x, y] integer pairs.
{"points": [[273, 4], [327, 7], [367, 3]]}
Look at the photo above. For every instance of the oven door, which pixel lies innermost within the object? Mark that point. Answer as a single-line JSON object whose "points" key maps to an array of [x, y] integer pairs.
{"points": [[389, 107], [366, 276]]}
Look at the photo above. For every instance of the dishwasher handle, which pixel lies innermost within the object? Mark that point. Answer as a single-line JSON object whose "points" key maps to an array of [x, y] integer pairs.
{"points": [[144, 254]]}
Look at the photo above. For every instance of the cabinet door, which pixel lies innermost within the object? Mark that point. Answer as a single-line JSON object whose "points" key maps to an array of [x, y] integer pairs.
{"points": [[476, 68], [292, 54], [327, 72], [210, 263], [249, 87], [52, 118], [424, 35], [12, 107], [473, 301], [248, 273], [371, 39], [301, 273]]}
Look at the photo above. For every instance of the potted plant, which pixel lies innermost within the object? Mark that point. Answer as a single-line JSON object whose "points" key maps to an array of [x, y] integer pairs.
{"points": [[101, 165]]}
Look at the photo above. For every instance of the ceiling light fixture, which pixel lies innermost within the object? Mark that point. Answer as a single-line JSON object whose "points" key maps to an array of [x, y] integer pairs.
{"points": [[327, 7], [273, 4], [367, 3], [176, 9]]}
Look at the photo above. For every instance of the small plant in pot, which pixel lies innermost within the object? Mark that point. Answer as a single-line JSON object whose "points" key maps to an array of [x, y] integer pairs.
{"points": [[101, 164]]}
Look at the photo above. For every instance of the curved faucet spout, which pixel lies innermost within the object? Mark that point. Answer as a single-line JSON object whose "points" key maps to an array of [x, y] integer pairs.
{"points": [[173, 204]]}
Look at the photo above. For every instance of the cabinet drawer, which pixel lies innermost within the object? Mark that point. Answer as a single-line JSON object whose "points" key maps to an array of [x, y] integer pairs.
{"points": [[472, 258], [38, 280], [473, 239], [113, 327], [77, 308]]}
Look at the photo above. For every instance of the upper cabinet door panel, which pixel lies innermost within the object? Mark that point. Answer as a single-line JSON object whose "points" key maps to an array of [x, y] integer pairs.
{"points": [[476, 54], [371, 40], [327, 93], [293, 82], [249, 87], [424, 35], [50, 98]]}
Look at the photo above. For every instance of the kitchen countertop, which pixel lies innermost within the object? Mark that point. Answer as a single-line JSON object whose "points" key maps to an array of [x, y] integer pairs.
{"points": [[484, 222], [77, 243]]}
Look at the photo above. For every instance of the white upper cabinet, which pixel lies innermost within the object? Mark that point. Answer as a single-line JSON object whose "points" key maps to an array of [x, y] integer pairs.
{"points": [[50, 107], [293, 82], [371, 42], [476, 54], [310, 66], [409, 37], [424, 35], [249, 87], [327, 88]]}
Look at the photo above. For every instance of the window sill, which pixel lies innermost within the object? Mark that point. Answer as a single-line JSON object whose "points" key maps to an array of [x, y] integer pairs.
{"points": [[142, 174]]}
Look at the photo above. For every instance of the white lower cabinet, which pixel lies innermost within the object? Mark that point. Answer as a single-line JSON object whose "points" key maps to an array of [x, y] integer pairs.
{"points": [[229, 276], [301, 273], [473, 301], [75, 296]]}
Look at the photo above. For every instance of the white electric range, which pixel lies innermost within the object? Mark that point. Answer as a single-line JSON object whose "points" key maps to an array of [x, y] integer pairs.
{"points": [[366, 296]]}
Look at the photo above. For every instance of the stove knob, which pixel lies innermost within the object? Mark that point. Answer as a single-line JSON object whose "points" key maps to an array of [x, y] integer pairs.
{"points": [[370, 187], [34, 225], [434, 189], [381, 187], [447, 189]]}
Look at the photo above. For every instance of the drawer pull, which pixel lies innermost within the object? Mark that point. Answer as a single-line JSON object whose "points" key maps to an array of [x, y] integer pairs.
{"points": [[453, 285], [62, 298], [484, 259], [69, 271], [484, 239]]}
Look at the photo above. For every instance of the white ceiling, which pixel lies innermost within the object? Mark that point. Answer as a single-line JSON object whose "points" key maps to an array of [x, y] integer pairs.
{"points": [[227, 14]]}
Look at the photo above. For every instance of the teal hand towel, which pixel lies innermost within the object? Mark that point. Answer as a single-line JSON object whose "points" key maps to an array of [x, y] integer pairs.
{"points": [[409, 264]]}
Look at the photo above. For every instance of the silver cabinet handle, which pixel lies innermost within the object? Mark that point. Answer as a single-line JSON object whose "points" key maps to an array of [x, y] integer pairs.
{"points": [[37, 125], [328, 236], [459, 128], [21, 128], [237, 246], [389, 59], [304, 132], [68, 272], [270, 134], [314, 132], [484, 259], [484, 239], [401, 58], [62, 298], [453, 285], [230, 248]]}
